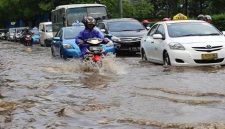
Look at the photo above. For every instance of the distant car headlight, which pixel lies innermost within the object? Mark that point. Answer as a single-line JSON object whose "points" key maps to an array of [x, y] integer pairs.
{"points": [[115, 39], [176, 46], [67, 46]]}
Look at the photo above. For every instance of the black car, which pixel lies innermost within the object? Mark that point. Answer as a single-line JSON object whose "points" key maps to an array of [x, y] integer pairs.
{"points": [[126, 33]]}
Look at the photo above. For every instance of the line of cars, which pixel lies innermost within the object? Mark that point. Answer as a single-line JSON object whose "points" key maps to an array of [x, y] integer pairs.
{"points": [[174, 42], [42, 35], [16, 34]]}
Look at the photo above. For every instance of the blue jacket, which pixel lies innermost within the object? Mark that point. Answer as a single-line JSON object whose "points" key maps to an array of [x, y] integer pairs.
{"points": [[86, 34]]}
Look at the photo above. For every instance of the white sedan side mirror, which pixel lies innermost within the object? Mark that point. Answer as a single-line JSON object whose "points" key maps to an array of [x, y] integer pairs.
{"points": [[157, 36], [223, 32]]}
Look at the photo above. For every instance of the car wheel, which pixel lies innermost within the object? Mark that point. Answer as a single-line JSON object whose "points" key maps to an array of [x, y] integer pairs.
{"points": [[44, 44], [41, 44], [61, 54], [143, 55], [53, 53], [166, 59]]}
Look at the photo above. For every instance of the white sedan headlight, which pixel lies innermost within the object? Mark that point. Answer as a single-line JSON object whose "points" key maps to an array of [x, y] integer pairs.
{"points": [[176, 46], [115, 39], [67, 46]]}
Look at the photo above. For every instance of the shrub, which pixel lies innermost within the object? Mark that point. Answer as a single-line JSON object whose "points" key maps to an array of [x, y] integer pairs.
{"points": [[218, 20]]}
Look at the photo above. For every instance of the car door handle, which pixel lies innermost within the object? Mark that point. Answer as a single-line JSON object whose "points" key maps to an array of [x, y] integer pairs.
{"points": [[152, 41]]}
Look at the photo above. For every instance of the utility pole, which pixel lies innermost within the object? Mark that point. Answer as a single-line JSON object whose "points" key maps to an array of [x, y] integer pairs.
{"points": [[167, 8], [121, 8], [186, 7]]}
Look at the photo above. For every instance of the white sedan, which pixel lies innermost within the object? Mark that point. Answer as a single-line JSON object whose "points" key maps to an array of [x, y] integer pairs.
{"points": [[184, 43]]}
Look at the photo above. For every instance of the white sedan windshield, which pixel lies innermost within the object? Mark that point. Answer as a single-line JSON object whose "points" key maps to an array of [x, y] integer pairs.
{"points": [[191, 29]]}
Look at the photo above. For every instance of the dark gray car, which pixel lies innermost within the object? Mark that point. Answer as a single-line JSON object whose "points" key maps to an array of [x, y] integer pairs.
{"points": [[126, 32]]}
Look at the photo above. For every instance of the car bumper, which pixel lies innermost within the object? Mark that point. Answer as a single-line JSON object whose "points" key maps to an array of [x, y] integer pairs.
{"points": [[48, 42], [71, 53], [109, 49], [194, 58], [35, 40], [130, 46]]}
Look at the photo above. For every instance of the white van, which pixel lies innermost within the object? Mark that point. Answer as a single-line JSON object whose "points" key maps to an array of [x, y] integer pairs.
{"points": [[46, 34]]}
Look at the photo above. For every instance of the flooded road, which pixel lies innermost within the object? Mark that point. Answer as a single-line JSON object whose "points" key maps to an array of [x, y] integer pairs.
{"points": [[41, 92]]}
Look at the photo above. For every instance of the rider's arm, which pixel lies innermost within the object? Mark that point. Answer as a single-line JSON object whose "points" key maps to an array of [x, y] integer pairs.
{"points": [[99, 34], [79, 38]]}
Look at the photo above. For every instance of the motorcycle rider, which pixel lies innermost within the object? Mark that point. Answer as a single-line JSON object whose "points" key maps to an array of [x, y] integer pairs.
{"points": [[90, 31], [25, 32]]}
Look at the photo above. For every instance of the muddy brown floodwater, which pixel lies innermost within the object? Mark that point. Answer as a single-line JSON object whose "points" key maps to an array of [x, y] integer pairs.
{"points": [[41, 92]]}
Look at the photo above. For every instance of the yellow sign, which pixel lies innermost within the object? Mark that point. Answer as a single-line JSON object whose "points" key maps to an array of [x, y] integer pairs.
{"points": [[180, 16]]}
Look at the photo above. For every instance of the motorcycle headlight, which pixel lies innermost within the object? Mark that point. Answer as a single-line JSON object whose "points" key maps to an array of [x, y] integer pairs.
{"points": [[176, 46], [115, 39], [67, 46]]}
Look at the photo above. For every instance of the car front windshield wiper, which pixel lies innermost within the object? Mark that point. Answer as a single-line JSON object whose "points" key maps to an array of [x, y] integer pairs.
{"points": [[189, 35], [127, 30], [199, 34], [213, 34]]}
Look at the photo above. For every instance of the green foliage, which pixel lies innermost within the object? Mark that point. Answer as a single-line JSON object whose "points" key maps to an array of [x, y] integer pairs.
{"points": [[219, 21], [112, 7], [140, 9], [28, 9]]}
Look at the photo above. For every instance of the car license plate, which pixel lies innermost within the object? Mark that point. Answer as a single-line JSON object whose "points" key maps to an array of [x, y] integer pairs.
{"points": [[209, 56], [95, 48]]}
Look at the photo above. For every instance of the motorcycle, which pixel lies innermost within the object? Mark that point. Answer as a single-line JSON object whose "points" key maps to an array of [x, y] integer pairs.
{"points": [[28, 40], [95, 52]]}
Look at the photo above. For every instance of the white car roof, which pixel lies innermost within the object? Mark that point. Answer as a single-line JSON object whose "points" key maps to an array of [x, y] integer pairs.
{"points": [[77, 5], [179, 21]]}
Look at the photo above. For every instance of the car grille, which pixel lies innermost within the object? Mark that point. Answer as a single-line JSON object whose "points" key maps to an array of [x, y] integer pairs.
{"points": [[130, 39], [209, 61], [208, 48]]}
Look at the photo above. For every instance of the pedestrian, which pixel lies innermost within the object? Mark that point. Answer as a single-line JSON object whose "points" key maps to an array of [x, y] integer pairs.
{"points": [[145, 23], [201, 17], [166, 19], [208, 18]]}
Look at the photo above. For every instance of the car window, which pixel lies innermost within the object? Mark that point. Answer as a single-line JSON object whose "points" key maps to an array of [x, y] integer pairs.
{"points": [[152, 30], [48, 28], [72, 32], [191, 29], [101, 26], [160, 30], [59, 33], [118, 26], [35, 31]]}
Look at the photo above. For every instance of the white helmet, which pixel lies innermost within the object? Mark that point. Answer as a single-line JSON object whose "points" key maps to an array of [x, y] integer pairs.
{"points": [[208, 17]]}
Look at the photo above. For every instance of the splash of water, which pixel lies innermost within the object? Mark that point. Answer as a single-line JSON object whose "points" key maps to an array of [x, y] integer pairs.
{"points": [[110, 65]]}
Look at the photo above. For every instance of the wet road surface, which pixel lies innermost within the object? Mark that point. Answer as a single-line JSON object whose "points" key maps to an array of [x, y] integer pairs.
{"points": [[41, 92]]}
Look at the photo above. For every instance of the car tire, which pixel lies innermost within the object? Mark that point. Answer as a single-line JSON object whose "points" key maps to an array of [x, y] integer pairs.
{"points": [[61, 55], [143, 55], [44, 44], [41, 44], [53, 53], [166, 59]]}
